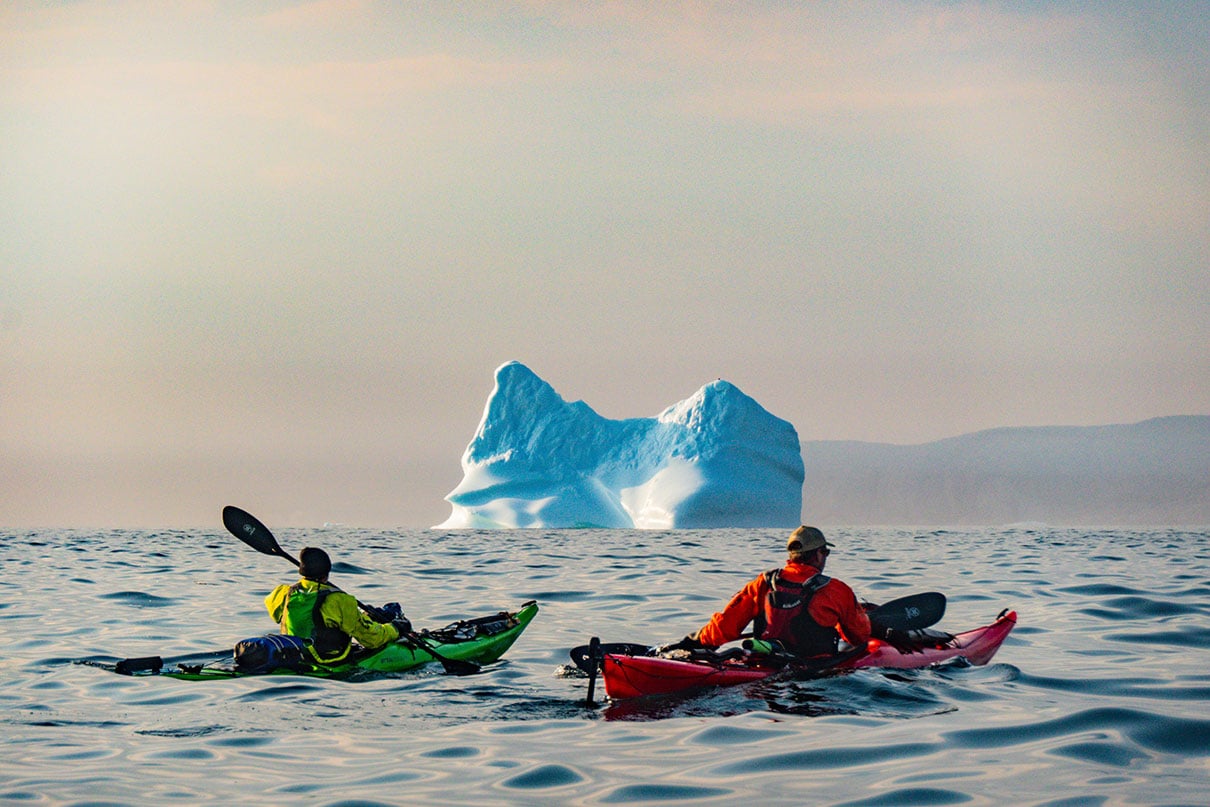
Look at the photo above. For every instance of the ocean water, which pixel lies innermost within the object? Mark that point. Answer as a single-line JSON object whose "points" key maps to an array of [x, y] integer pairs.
{"points": [[1100, 697]]}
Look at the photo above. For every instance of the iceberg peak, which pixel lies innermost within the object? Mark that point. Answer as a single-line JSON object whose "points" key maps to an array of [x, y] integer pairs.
{"points": [[715, 459]]}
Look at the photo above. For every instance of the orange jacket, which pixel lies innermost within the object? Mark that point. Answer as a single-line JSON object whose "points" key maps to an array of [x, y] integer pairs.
{"points": [[833, 605]]}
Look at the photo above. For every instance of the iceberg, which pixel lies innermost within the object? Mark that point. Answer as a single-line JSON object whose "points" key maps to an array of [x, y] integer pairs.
{"points": [[716, 459]]}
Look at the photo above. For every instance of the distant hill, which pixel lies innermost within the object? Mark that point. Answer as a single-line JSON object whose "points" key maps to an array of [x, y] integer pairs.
{"points": [[1156, 472]]}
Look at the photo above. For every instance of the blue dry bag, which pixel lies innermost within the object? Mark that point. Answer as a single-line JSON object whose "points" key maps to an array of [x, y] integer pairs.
{"points": [[262, 654]]}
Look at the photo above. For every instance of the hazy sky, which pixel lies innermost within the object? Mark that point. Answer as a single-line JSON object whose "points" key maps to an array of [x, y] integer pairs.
{"points": [[270, 253]]}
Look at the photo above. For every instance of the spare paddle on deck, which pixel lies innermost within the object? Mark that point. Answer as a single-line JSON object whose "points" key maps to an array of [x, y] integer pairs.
{"points": [[913, 612], [130, 666], [247, 528]]}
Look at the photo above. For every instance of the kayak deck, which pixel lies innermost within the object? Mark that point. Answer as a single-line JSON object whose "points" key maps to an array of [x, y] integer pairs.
{"points": [[482, 640], [976, 646], [628, 676]]}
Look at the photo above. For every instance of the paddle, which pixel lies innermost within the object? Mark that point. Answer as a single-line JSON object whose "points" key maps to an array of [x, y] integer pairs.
{"points": [[247, 528], [129, 666], [588, 656], [594, 658], [913, 612]]}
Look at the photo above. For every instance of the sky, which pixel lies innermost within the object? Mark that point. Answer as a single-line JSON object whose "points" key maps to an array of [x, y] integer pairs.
{"points": [[270, 253]]}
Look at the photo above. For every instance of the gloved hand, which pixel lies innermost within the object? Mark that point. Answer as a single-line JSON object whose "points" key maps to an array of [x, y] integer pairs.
{"points": [[402, 624], [687, 643], [927, 637], [898, 639], [387, 613], [769, 647]]}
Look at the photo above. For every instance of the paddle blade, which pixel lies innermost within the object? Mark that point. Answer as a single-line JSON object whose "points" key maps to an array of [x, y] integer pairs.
{"points": [[247, 528], [130, 666], [913, 612], [452, 666]]}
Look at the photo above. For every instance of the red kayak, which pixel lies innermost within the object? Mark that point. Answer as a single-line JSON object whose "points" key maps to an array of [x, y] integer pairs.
{"points": [[628, 676]]}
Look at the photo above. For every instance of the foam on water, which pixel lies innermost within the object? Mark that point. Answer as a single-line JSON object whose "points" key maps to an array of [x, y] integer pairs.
{"points": [[1099, 697]]}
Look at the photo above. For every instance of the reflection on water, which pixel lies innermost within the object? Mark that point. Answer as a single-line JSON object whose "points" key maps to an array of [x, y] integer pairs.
{"points": [[1098, 697]]}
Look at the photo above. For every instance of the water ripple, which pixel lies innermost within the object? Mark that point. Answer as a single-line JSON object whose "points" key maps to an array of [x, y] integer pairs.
{"points": [[655, 792], [139, 598], [826, 758]]}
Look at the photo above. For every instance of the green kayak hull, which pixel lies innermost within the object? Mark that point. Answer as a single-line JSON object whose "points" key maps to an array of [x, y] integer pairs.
{"points": [[482, 641]]}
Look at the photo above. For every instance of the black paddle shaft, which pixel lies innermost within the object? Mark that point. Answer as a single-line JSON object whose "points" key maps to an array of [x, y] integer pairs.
{"points": [[596, 658]]}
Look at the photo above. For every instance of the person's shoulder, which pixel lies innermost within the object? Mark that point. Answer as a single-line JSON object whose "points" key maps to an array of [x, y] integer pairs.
{"points": [[839, 586], [336, 595], [761, 583]]}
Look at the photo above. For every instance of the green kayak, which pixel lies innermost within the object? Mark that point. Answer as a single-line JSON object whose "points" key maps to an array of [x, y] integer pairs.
{"points": [[477, 641]]}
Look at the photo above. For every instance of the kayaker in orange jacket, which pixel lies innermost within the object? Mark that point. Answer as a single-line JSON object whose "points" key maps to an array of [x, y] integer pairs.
{"points": [[808, 612]]}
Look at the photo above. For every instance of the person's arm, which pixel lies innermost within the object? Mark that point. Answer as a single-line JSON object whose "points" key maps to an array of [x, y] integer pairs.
{"points": [[276, 602], [836, 604], [728, 624], [342, 612]]}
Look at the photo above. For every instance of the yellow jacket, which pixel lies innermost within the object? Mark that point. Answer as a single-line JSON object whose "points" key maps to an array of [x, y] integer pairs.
{"points": [[339, 611]]}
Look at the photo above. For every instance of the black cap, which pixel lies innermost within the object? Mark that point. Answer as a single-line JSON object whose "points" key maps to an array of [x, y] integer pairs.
{"points": [[314, 564]]}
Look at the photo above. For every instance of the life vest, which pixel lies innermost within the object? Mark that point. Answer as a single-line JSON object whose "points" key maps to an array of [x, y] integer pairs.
{"points": [[301, 617], [784, 616]]}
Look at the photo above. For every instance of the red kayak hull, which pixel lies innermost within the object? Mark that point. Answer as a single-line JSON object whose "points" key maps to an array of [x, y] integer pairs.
{"points": [[633, 676]]}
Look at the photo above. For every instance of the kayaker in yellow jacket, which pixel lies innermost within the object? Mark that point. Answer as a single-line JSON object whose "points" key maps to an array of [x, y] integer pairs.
{"points": [[315, 609]]}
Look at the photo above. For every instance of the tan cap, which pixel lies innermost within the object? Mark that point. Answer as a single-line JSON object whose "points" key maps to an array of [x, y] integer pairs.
{"points": [[805, 539]]}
